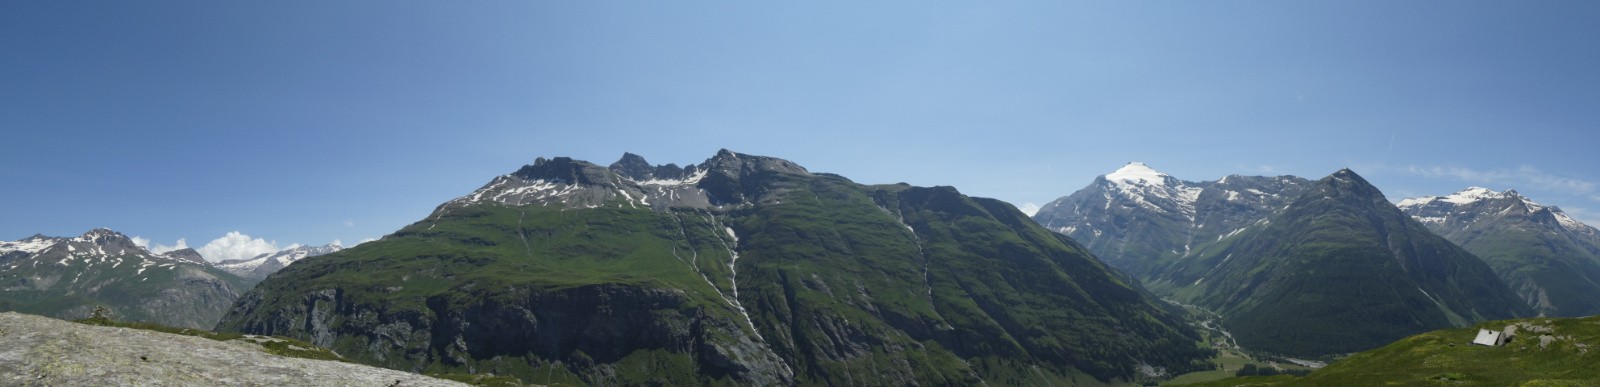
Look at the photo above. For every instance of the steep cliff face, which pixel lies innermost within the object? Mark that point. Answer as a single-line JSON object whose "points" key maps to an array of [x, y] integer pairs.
{"points": [[69, 277], [743, 269]]}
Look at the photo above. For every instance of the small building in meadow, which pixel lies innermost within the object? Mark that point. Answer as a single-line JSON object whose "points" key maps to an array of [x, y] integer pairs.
{"points": [[1490, 338]]}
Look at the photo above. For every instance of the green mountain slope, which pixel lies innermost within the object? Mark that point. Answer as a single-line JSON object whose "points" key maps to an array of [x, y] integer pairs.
{"points": [[68, 277], [1551, 260], [1545, 352], [1340, 270], [741, 270]]}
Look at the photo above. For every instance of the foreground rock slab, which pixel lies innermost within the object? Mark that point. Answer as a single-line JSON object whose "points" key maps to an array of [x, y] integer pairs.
{"points": [[37, 350]]}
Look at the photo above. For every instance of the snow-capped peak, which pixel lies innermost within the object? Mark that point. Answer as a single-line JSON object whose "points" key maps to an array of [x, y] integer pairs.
{"points": [[1146, 186], [31, 245], [1137, 173], [1475, 194], [272, 262], [1466, 196]]}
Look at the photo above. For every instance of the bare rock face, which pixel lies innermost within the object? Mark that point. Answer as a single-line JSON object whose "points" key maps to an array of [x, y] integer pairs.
{"points": [[37, 350]]}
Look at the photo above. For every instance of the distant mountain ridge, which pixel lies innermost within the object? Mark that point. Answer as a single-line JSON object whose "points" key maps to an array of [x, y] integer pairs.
{"points": [[1550, 259], [260, 266], [742, 269], [69, 277]]}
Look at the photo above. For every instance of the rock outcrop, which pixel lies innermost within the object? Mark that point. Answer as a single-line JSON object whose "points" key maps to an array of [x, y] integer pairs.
{"points": [[36, 350]]}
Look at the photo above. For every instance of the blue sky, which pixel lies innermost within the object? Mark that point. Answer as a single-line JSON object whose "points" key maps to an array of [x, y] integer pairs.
{"points": [[304, 122]]}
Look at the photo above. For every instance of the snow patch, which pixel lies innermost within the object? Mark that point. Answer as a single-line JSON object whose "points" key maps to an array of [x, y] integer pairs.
{"points": [[1137, 173], [31, 245], [1473, 195], [691, 180]]}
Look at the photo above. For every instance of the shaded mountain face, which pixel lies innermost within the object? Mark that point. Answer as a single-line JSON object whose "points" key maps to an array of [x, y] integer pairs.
{"points": [[1142, 221], [68, 277], [1551, 260], [257, 268], [743, 269], [1341, 270]]}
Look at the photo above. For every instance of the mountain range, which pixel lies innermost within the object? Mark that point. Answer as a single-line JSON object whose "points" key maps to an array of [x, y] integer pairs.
{"points": [[742, 269], [69, 277], [1551, 260], [748, 269], [257, 268], [1296, 267]]}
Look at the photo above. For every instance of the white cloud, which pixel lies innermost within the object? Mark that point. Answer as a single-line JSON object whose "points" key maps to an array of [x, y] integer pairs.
{"points": [[1029, 208], [365, 241], [337, 242], [349, 223], [158, 249], [236, 245], [182, 244], [1522, 176]]}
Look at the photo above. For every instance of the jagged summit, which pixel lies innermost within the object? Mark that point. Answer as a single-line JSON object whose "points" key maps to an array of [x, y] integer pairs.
{"points": [[635, 167], [104, 236], [728, 178]]}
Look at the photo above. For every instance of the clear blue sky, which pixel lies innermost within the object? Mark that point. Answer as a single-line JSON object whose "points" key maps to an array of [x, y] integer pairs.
{"points": [[303, 122]]}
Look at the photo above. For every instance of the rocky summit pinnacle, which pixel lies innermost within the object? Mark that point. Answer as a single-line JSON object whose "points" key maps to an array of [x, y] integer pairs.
{"points": [[634, 167]]}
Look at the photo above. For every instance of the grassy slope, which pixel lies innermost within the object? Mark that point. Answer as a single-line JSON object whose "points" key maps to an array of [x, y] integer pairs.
{"points": [[1445, 357], [1566, 274], [475, 256]]}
